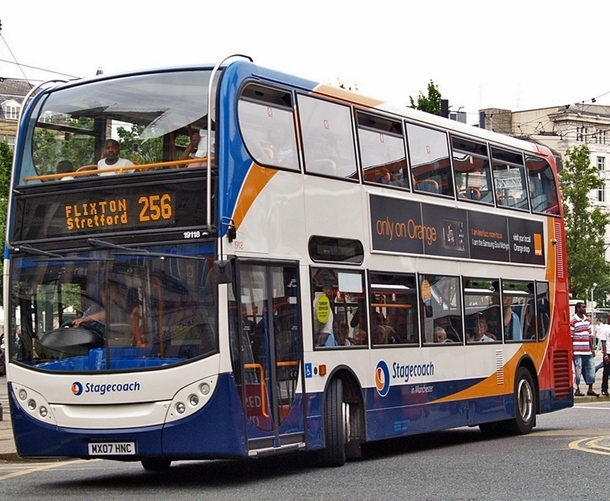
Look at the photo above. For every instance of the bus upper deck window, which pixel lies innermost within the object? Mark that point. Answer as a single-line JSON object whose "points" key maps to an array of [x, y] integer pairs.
{"points": [[267, 125], [471, 170], [429, 160], [509, 179], [382, 150], [543, 188], [328, 141]]}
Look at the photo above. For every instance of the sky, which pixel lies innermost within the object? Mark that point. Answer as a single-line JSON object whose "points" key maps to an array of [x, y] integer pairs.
{"points": [[515, 55]]}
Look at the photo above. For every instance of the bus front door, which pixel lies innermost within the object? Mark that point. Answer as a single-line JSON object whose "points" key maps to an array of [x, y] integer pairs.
{"points": [[270, 351]]}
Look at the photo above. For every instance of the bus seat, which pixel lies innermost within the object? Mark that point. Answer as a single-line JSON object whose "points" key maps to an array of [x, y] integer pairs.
{"points": [[507, 200], [470, 193], [428, 185]]}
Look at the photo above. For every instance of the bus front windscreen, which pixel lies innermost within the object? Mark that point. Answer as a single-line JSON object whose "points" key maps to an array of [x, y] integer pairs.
{"points": [[111, 310], [152, 115]]}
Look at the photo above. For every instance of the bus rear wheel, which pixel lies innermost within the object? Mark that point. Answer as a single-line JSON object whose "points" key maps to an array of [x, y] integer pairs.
{"points": [[525, 409], [336, 424], [156, 464], [525, 404]]}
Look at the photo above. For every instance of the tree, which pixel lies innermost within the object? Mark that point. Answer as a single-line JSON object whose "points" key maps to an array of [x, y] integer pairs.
{"points": [[585, 225], [141, 151], [430, 104]]}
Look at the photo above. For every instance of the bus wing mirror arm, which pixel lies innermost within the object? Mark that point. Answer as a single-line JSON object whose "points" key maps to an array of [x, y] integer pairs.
{"points": [[222, 272]]}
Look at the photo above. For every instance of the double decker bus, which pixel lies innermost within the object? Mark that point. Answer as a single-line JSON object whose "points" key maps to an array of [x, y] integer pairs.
{"points": [[282, 266]]}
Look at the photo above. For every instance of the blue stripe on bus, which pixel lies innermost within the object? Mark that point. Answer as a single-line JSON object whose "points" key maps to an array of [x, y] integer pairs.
{"points": [[212, 432]]}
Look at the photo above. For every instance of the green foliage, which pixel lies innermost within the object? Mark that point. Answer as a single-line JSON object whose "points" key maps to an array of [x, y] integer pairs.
{"points": [[585, 225], [138, 150], [46, 151], [430, 103], [49, 147], [351, 88], [78, 148]]}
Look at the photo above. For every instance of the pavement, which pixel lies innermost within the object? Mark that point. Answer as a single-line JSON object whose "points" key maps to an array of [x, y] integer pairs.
{"points": [[8, 451]]}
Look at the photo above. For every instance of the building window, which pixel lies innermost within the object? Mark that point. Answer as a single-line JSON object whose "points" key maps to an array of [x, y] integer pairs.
{"points": [[10, 140], [11, 109]]}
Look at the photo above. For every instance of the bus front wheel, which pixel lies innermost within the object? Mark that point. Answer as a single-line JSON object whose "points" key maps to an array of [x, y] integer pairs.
{"points": [[156, 464], [336, 422]]}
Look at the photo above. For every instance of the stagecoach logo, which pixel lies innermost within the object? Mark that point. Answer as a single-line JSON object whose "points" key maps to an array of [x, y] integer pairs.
{"points": [[104, 388], [382, 378]]}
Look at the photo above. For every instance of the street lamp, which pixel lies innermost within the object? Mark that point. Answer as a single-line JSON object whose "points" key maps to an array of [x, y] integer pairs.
{"points": [[592, 290]]}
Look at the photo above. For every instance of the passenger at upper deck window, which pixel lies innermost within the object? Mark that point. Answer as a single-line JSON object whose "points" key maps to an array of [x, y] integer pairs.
{"points": [[65, 167], [111, 159]]}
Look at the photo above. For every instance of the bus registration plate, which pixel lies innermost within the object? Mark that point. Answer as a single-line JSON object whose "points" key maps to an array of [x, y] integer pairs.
{"points": [[112, 448]]}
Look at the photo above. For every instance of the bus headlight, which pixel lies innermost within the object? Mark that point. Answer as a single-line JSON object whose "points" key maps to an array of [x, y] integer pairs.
{"points": [[191, 399], [34, 404]]}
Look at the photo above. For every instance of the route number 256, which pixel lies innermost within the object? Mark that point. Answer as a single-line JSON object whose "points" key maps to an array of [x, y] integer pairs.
{"points": [[155, 207]]}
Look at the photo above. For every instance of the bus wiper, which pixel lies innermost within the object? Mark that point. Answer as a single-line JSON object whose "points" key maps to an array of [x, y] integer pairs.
{"points": [[28, 249], [95, 242]]}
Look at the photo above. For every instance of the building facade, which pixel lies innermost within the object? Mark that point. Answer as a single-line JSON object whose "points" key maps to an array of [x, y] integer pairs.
{"points": [[12, 94]]}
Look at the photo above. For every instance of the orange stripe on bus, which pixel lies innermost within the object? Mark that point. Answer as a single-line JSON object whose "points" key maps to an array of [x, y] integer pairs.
{"points": [[337, 92], [254, 183], [489, 386]]}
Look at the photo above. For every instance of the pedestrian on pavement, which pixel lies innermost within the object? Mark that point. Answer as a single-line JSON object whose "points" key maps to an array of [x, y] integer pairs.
{"points": [[598, 325], [604, 336], [583, 348]]}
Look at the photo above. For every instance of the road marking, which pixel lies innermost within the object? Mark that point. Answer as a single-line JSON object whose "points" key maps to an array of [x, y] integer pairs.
{"points": [[29, 470], [592, 445]]}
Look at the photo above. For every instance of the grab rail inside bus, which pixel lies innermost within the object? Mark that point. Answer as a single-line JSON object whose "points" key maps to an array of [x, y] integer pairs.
{"points": [[88, 170], [262, 382], [261, 371]]}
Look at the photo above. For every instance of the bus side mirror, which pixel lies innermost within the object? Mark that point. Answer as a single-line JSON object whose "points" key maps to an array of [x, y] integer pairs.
{"points": [[222, 272]]}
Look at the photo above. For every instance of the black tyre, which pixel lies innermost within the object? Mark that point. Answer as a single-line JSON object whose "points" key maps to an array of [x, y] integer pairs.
{"points": [[525, 409], [156, 464], [336, 421], [525, 404]]}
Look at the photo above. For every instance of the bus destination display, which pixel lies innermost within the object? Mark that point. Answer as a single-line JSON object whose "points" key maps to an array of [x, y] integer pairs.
{"points": [[121, 212], [105, 211]]}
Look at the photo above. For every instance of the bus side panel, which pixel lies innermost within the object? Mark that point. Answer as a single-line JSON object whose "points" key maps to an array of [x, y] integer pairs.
{"points": [[411, 409], [549, 401], [216, 430], [555, 378]]}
